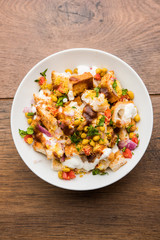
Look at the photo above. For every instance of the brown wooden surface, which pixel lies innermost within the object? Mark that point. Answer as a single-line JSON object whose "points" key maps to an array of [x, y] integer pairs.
{"points": [[33, 209]]}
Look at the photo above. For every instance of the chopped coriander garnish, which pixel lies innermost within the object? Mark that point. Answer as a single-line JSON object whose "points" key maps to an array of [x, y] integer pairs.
{"points": [[74, 107], [97, 171], [117, 141], [137, 135], [60, 100], [124, 91], [101, 121], [114, 85], [128, 128], [123, 150], [37, 80], [22, 133], [132, 153], [29, 131], [44, 73], [97, 91], [112, 112], [30, 114], [75, 138], [111, 123], [92, 131]]}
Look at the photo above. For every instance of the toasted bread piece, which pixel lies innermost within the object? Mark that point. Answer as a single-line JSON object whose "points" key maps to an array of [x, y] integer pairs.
{"points": [[60, 82], [38, 147], [56, 165], [81, 82], [117, 162], [107, 82], [70, 150], [49, 121], [103, 165], [123, 112]]}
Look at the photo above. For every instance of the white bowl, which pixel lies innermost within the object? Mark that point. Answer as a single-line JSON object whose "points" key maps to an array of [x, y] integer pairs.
{"points": [[70, 59]]}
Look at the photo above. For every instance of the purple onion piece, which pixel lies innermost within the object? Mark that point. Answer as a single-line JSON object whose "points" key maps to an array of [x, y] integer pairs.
{"points": [[128, 144], [43, 130], [62, 159]]}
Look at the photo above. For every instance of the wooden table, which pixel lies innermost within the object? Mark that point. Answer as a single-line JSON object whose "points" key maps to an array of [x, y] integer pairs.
{"points": [[29, 207]]}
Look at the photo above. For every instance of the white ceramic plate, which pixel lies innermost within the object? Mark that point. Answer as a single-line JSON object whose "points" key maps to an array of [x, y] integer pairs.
{"points": [[70, 59]]}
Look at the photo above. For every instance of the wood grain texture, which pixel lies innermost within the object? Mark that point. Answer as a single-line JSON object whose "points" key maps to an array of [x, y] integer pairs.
{"points": [[32, 30], [32, 209]]}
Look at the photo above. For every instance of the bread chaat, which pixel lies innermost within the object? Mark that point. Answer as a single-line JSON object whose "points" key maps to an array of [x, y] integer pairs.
{"points": [[83, 121]]}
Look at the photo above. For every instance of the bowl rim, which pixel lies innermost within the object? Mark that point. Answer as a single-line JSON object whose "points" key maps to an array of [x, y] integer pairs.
{"points": [[91, 50]]}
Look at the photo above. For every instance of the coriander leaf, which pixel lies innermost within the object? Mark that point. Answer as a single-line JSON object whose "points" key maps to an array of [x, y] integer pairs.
{"points": [[111, 123], [101, 121], [124, 91], [123, 150], [60, 100], [117, 141], [74, 107], [128, 128], [30, 130], [44, 73], [95, 171], [30, 114], [37, 80], [22, 133], [97, 91], [114, 85], [92, 131], [75, 138]]}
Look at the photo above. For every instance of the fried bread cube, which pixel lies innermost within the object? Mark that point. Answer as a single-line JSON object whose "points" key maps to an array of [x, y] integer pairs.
{"points": [[60, 81], [49, 121], [81, 82], [113, 86], [38, 147], [117, 161]]}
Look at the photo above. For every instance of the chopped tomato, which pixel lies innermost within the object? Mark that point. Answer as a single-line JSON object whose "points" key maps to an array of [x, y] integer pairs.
{"points": [[124, 97], [65, 176], [71, 174], [127, 153], [42, 80], [97, 77], [61, 89], [26, 137], [135, 139], [87, 150], [53, 110], [107, 113]]}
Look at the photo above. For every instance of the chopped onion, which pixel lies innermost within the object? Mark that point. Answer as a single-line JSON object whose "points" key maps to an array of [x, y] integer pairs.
{"points": [[27, 109], [128, 144], [43, 130], [62, 159]]}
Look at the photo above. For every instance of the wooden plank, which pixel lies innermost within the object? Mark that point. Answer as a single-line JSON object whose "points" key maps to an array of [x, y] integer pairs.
{"points": [[32, 30], [33, 209]]}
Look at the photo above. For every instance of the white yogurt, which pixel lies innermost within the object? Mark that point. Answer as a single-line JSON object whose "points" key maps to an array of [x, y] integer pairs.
{"points": [[83, 68]]}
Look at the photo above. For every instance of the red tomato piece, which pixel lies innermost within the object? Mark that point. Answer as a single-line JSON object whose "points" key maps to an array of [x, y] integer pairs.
{"points": [[135, 139], [65, 176], [53, 110], [42, 80], [97, 77], [127, 153], [124, 98], [107, 113], [26, 137], [71, 174]]}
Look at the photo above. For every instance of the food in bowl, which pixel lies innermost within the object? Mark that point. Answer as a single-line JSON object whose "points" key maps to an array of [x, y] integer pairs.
{"points": [[83, 121]]}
